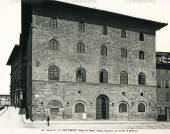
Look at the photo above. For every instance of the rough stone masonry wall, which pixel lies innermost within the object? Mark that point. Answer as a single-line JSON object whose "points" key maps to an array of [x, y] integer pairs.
{"points": [[68, 93], [67, 59]]}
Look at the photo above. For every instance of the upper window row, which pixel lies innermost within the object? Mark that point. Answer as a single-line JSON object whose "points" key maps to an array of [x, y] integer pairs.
{"points": [[53, 24], [53, 45], [54, 74]]}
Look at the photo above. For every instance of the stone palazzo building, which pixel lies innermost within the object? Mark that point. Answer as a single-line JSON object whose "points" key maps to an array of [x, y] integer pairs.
{"points": [[81, 63]]}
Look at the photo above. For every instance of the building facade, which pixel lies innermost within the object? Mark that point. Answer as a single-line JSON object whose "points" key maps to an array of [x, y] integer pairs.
{"points": [[87, 64], [163, 83], [18, 77]]}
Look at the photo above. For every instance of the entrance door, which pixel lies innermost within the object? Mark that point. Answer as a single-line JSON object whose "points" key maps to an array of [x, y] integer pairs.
{"points": [[102, 107]]}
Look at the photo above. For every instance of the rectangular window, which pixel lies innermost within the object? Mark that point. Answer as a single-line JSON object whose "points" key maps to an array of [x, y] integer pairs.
{"points": [[166, 84], [163, 83], [158, 83], [123, 93], [104, 30], [123, 33], [141, 55], [167, 96], [81, 27], [141, 37], [54, 110], [53, 22]]}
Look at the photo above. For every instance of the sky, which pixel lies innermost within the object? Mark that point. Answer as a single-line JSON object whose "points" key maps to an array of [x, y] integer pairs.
{"points": [[10, 25]]}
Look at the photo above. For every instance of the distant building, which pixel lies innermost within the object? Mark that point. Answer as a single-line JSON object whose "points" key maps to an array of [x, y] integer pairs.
{"points": [[18, 76], [163, 82], [80, 63], [5, 99]]}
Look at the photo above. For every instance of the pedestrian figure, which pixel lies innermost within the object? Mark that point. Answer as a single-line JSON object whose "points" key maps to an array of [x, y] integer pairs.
{"points": [[48, 120]]}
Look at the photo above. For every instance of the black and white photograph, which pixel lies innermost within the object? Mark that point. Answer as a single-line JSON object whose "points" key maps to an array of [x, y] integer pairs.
{"points": [[84, 66]]}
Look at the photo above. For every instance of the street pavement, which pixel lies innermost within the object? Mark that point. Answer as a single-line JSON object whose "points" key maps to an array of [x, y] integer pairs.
{"points": [[11, 119]]}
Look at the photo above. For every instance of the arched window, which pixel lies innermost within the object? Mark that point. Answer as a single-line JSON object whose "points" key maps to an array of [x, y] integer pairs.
{"points": [[124, 53], [53, 44], [53, 73], [103, 50], [141, 55], [104, 30], [141, 107], [123, 108], [80, 48], [81, 75], [53, 23], [81, 27], [123, 78], [103, 76], [79, 108], [141, 79]]}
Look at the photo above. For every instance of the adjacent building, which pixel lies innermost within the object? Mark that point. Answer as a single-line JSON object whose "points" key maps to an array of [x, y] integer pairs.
{"points": [[163, 83], [77, 63], [5, 99]]}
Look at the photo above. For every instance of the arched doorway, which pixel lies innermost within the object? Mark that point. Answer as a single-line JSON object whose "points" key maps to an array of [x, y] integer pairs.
{"points": [[102, 107]]}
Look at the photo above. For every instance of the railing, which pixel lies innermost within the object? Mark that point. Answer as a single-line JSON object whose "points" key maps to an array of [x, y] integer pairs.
{"points": [[162, 115], [162, 118]]}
